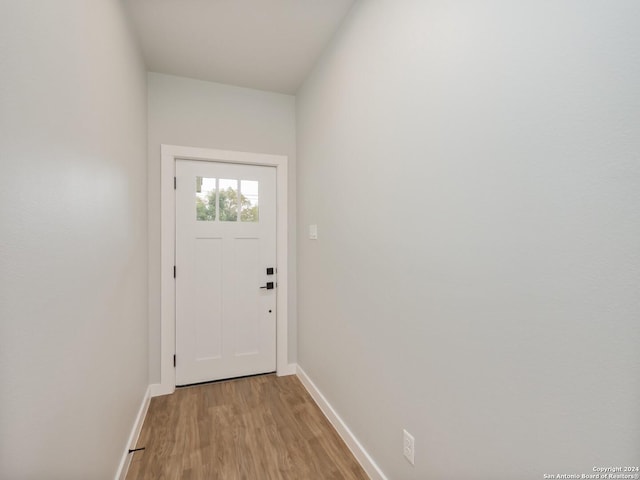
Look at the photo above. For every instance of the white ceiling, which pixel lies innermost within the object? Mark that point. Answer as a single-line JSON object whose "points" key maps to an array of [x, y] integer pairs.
{"points": [[263, 44]]}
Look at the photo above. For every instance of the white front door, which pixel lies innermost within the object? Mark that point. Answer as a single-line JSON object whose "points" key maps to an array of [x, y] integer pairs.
{"points": [[225, 260]]}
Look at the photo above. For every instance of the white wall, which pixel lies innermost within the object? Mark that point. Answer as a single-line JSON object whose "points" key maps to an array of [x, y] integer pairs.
{"points": [[195, 113], [473, 170], [73, 328]]}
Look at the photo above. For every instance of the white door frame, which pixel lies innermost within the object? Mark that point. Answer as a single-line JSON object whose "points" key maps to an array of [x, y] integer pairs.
{"points": [[169, 155]]}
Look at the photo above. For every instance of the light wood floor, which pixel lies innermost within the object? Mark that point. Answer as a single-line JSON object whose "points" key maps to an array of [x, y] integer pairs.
{"points": [[264, 427]]}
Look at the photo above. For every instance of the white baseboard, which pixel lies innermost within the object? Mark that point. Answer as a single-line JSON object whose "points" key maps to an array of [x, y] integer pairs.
{"points": [[341, 427], [133, 437], [158, 389], [290, 369]]}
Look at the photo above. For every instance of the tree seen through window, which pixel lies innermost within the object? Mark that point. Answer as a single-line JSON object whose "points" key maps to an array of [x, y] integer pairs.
{"points": [[228, 207]]}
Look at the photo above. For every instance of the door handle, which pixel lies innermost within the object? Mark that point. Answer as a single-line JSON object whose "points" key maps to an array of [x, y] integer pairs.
{"points": [[269, 286]]}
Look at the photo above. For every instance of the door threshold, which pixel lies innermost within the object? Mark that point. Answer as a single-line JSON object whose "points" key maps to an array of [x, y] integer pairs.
{"points": [[224, 380]]}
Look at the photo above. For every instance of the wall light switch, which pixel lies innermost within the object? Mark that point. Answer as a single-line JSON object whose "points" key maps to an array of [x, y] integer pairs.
{"points": [[313, 232]]}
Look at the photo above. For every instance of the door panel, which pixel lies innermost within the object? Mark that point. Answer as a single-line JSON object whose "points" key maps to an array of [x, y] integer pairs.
{"points": [[225, 241], [207, 298], [247, 261]]}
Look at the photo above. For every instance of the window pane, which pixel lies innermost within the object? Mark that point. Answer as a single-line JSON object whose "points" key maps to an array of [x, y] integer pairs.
{"points": [[249, 201], [205, 199], [228, 200]]}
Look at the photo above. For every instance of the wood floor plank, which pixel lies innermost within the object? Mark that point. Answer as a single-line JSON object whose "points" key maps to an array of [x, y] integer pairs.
{"points": [[257, 428]]}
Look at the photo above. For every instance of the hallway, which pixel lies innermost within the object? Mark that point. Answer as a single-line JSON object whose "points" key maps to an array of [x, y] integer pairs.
{"points": [[263, 427]]}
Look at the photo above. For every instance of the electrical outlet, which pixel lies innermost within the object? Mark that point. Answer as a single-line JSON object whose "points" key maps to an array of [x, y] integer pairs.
{"points": [[409, 444]]}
